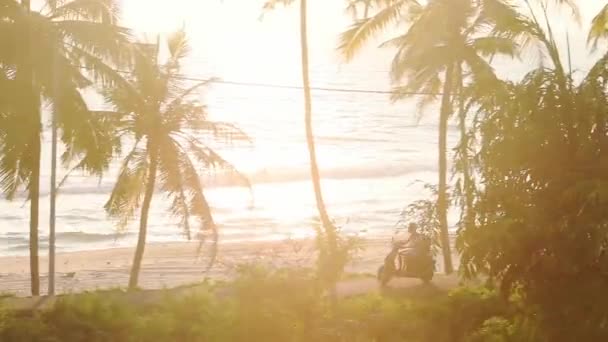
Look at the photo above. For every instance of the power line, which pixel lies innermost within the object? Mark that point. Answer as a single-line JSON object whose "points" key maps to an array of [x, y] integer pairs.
{"points": [[292, 87], [279, 86]]}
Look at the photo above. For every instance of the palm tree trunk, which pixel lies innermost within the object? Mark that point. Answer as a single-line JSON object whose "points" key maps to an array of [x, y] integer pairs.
{"points": [[310, 140], [329, 230], [143, 222], [34, 214], [25, 75], [442, 204], [53, 201], [366, 9], [53, 192], [466, 173], [467, 184]]}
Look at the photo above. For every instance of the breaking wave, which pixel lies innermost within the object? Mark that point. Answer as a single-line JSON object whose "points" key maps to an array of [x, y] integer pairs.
{"points": [[273, 176]]}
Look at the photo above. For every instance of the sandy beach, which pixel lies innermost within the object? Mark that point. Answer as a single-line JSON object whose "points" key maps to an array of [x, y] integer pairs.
{"points": [[170, 265]]}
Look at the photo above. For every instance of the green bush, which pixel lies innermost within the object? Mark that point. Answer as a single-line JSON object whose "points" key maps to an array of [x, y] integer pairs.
{"points": [[197, 317], [263, 304], [90, 318]]}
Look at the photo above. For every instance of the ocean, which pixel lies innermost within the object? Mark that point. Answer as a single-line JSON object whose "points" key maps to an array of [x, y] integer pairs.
{"points": [[375, 156]]}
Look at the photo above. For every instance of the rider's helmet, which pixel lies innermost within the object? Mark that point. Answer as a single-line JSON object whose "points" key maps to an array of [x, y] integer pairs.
{"points": [[412, 228]]}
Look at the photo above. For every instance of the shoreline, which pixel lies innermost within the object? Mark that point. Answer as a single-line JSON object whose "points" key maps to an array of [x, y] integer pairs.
{"points": [[175, 264], [167, 265]]}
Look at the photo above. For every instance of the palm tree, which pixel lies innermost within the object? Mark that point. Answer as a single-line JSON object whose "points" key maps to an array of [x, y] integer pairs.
{"points": [[445, 41], [76, 41], [310, 138], [329, 229], [161, 118]]}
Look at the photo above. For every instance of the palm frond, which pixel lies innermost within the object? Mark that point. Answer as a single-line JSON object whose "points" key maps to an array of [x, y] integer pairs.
{"points": [[88, 135], [103, 11], [173, 184], [226, 130], [481, 74], [96, 68], [199, 206], [599, 70], [356, 7], [129, 188], [418, 65], [181, 181], [20, 128], [192, 116], [573, 6], [428, 94], [546, 39], [270, 5], [490, 46], [183, 95], [599, 27], [106, 42], [178, 46], [125, 98], [150, 81], [363, 30], [503, 19], [210, 159], [13, 149]]}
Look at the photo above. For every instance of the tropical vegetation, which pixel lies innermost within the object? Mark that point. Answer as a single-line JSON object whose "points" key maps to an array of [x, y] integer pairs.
{"points": [[262, 307], [333, 250], [159, 114], [445, 47], [529, 171], [80, 41]]}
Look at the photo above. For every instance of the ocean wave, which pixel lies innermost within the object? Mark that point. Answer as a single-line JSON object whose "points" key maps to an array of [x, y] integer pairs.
{"points": [[75, 217], [84, 237], [10, 218], [17, 248], [12, 239], [342, 139], [285, 175], [76, 237], [298, 175]]}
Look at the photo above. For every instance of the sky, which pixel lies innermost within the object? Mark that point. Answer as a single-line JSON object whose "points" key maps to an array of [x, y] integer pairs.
{"points": [[232, 32]]}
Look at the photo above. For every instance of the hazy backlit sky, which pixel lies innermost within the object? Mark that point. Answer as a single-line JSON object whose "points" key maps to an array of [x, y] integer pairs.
{"points": [[246, 47]]}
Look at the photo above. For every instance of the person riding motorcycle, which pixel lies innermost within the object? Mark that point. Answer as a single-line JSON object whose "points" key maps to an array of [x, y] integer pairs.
{"points": [[409, 258], [412, 247]]}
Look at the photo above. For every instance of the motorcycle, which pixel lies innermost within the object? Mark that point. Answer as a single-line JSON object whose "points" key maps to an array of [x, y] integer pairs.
{"points": [[419, 265]]}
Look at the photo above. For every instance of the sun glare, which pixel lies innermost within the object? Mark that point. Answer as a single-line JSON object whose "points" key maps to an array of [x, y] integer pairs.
{"points": [[229, 171], [153, 17]]}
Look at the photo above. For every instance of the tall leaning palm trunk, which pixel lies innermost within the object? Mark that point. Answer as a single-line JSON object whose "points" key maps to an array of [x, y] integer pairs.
{"points": [[468, 214], [53, 202], [53, 186], [34, 194], [310, 139], [30, 106], [143, 221], [442, 201]]}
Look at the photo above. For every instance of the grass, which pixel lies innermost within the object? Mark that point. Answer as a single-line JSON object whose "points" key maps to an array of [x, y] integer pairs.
{"points": [[263, 305], [4, 295], [358, 275]]}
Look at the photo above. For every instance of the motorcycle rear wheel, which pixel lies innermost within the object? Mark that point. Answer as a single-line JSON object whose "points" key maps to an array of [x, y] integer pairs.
{"points": [[426, 278], [383, 276]]}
